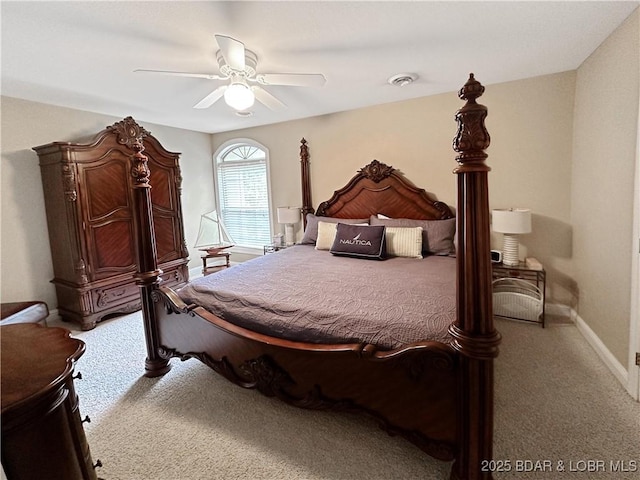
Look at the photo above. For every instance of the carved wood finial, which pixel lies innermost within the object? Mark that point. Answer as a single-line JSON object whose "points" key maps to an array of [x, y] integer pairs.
{"points": [[131, 135], [376, 171], [128, 132], [140, 168], [471, 90], [472, 138]]}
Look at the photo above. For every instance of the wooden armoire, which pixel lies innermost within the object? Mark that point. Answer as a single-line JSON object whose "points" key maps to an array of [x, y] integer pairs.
{"points": [[89, 202]]}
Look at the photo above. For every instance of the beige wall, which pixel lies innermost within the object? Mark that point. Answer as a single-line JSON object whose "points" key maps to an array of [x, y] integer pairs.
{"points": [[604, 142], [26, 266], [530, 122]]}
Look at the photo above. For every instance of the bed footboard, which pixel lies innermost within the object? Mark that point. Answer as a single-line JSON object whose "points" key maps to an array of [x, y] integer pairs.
{"points": [[411, 391]]}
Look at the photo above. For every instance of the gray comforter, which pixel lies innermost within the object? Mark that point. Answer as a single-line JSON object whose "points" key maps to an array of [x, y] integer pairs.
{"points": [[312, 296]]}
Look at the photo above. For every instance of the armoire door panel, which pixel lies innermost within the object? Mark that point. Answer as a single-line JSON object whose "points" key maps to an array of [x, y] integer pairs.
{"points": [[107, 183], [111, 249], [166, 214], [162, 191], [167, 241]]}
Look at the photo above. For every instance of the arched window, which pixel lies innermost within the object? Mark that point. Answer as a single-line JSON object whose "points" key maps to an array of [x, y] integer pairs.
{"points": [[242, 176]]}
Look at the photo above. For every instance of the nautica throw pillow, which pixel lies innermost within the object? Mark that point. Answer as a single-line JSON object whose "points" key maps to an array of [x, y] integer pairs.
{"points": [[360, 241]]}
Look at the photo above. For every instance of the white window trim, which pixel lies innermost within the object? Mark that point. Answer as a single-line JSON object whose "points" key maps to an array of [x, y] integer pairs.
{"points": [[221, 150]]}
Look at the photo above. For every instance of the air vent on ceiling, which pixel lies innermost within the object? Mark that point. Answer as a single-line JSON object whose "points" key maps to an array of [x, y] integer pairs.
{"points": [[403, 79]]}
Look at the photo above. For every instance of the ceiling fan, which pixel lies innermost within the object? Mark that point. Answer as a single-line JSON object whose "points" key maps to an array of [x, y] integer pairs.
{"points": [[238, 67]]}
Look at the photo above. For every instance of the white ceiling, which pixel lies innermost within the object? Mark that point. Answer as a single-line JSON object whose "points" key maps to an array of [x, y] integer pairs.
{"points": [[82, 54]]}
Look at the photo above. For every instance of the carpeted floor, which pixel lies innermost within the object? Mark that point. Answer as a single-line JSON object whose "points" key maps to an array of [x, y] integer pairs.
{"points": [[556, 405]]}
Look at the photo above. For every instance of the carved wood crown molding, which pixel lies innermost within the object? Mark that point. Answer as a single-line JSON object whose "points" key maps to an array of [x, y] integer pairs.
{"points": [[128, 132], [376, 171]]}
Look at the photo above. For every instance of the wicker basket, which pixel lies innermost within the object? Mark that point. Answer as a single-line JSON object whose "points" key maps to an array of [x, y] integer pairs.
{"points": [[515, 298]]}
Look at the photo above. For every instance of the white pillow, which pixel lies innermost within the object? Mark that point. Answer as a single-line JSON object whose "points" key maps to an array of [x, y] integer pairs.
{"points": [[326, 235], [403, 241]]}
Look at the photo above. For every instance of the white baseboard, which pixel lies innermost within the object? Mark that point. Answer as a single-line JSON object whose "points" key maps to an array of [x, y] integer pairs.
{"points": [[561, 310], [612, 363], [618, 370], [195, 273]]}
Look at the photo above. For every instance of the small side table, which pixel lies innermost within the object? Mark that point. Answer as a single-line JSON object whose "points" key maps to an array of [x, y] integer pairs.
{"points": [[272, 248], [537, 277], [207, 269]]}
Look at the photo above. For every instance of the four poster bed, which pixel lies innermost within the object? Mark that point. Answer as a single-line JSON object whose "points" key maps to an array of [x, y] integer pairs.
{"points": [[433, 387]]}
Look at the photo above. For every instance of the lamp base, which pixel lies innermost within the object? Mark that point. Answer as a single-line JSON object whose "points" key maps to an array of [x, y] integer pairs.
{"points": [[289, 238], [510, 250]]}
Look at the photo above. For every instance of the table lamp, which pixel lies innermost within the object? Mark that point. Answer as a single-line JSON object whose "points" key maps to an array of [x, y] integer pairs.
{"points": [[288, 216], [511, 222]]}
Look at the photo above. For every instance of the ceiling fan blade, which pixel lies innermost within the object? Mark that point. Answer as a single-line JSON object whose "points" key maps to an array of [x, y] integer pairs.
{"points": [[208, 76], [212, 98], [292, 79], [232, 52], [267, 99]]}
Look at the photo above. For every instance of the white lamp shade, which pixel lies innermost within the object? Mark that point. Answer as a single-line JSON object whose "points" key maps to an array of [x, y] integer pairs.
{"points": [[288, 215], [512, 220], [239, 96]]}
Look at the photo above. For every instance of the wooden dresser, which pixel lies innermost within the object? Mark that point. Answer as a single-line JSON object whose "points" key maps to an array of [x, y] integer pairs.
{"points": [[89, 202], [42, 433]]}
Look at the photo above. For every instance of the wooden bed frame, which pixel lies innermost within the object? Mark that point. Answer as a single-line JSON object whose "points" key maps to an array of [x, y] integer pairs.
{"points": [[439, 396]]}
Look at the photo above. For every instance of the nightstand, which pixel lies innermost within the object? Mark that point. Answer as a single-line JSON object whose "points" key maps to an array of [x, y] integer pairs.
{"points": [[42, 431], [519, 292], [220, 256]]}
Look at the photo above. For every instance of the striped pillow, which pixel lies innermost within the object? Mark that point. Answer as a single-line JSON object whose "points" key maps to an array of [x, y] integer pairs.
{"points": [[404, 242], [437, 235]]}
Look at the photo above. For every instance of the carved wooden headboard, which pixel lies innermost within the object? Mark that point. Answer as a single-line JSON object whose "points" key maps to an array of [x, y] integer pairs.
{"points": [[376, 188]]}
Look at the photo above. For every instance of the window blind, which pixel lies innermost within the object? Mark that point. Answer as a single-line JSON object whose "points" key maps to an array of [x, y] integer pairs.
{"points": [[244, 202]]}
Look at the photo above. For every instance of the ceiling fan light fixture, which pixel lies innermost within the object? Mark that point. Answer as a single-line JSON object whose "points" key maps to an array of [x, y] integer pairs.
{"points": [[238, 67], [239, 96], [402, 79]]}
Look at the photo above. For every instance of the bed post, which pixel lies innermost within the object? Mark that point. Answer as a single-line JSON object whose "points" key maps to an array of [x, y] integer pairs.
{"points": [[307, 207], [474, 336], [147, 277]]}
